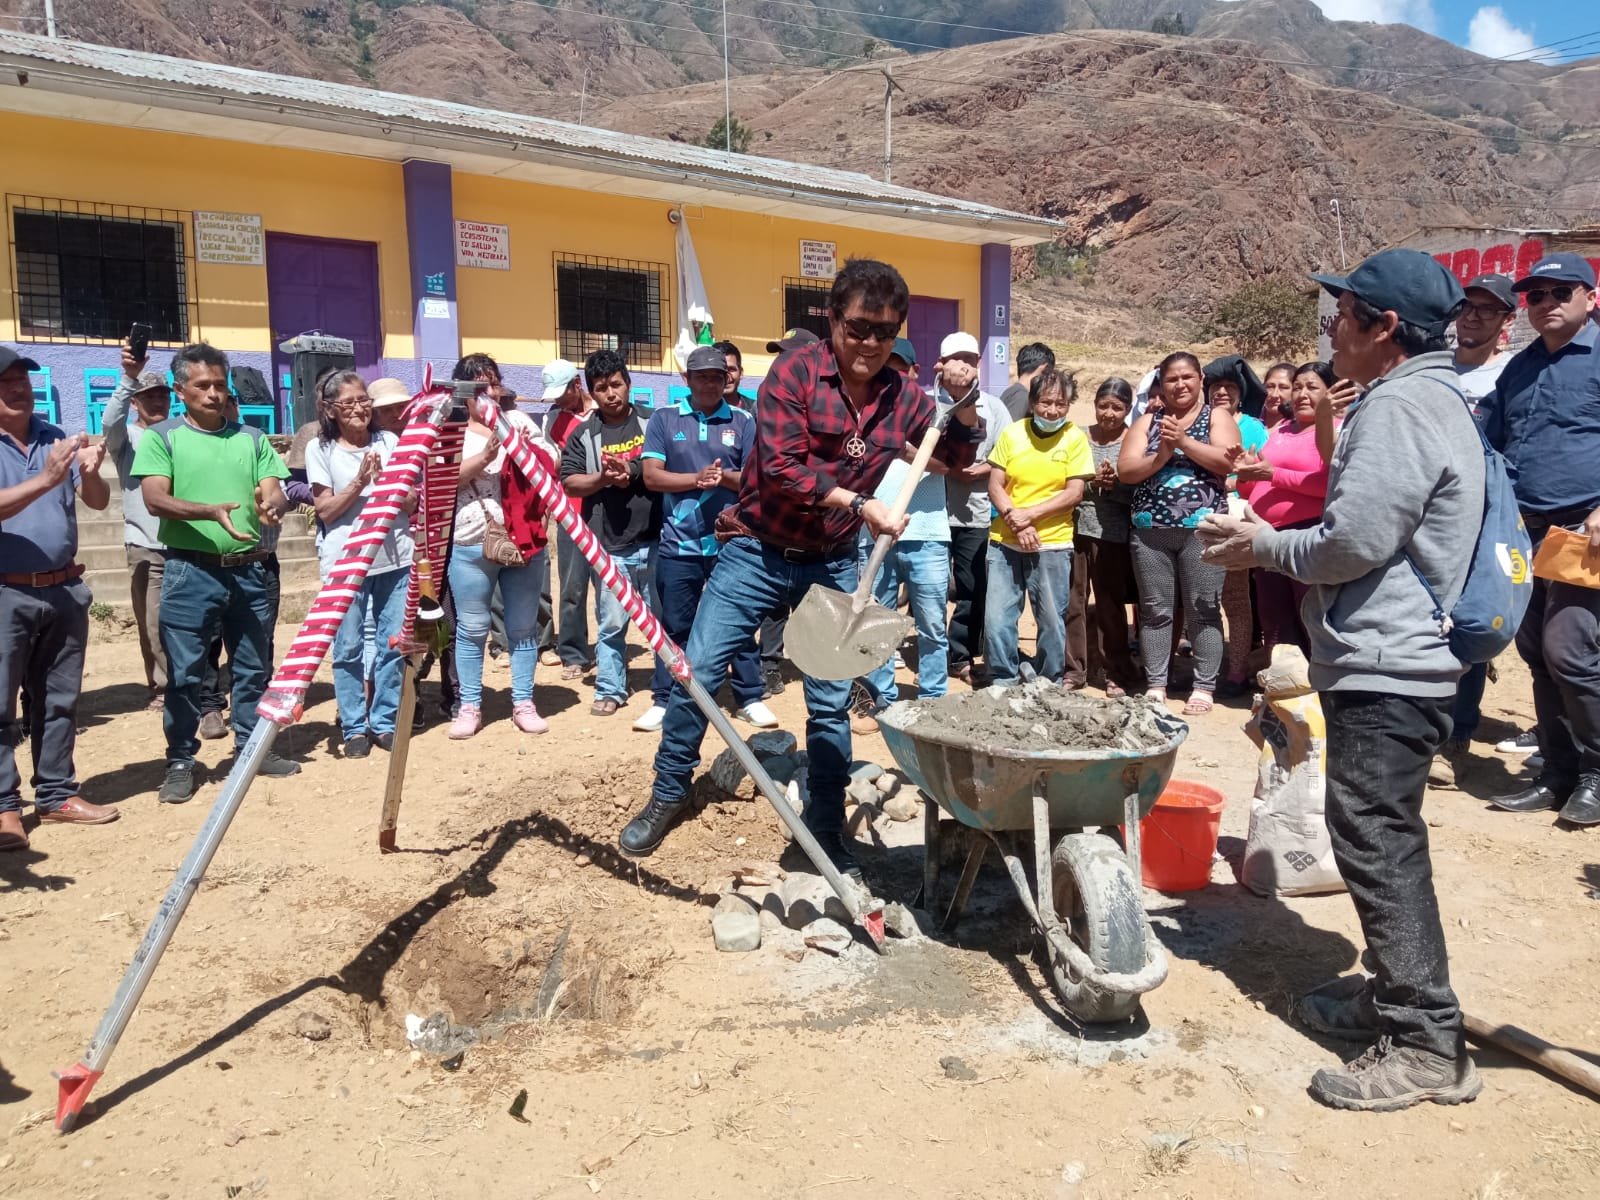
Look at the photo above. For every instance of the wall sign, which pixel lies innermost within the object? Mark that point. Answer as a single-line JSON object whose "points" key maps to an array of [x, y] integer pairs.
{"points": [[482, 245], [819, 260], [233, 238], [433, 284], [435, 310], [1001, 351], [999, 314]]}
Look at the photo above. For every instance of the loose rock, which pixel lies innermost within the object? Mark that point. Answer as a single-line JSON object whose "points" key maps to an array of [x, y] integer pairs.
{"points": [[828, 936], [571, 791], [899, 921], [957, 1069], [314, 1027], [867, 772], [807, 898], [771, 743], [888, 783], [902, 807], [736, 925]]}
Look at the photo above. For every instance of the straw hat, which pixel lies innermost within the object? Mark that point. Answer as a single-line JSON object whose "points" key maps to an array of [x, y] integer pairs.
{"points": [[387, 391]]}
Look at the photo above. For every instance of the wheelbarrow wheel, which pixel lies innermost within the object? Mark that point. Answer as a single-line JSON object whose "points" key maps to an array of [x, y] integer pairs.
{"points": [[1100, 902]]}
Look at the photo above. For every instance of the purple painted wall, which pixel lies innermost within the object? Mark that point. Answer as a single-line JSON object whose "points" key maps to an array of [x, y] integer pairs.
{"points": [[994, 323], [431, 238]]}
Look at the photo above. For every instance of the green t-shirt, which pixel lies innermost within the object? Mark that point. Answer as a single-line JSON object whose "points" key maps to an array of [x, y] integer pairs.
{"points": [[209, 468]]}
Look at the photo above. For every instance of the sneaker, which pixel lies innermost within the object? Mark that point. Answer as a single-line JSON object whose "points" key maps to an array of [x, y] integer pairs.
{"points": [[1449, 766], [212, 727], [276, 766], [772, 677], [1534, 762], [526, 718], [649, 721], [757, 714], [1387, 1078], [864, 709], [178, 786], [357, 746], [467, 722], [1525, 742], [1342, 1007], [385, 741], [549, 658]]}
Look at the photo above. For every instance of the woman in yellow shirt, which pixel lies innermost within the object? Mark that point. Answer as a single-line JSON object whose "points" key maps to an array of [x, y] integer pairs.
{"points": [[1040, 465]]}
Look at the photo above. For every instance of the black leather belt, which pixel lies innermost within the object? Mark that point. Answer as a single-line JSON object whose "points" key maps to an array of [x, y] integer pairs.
{"points": [[221, 560]]}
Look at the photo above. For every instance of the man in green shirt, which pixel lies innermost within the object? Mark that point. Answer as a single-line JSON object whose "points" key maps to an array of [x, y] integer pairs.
{"points": [[214, 484]]}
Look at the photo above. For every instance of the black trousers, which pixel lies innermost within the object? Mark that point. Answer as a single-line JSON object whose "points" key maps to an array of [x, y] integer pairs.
{"points": [[1559, 639], [1379, 749], [969, 575], [43, 632]]}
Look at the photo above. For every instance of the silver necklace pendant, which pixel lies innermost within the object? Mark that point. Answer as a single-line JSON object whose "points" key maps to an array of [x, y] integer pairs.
{"points": [[855, 448]]}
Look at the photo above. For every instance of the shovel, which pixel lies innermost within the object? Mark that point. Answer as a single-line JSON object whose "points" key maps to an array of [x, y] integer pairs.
{"points": [[838, 635]]}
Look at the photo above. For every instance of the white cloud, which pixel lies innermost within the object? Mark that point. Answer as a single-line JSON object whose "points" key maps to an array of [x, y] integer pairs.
{"points": [[1491, 35], [1383, 12]]}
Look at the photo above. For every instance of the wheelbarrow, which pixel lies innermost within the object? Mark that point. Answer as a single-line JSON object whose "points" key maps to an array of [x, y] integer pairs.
{"points": [[1085, 897]]}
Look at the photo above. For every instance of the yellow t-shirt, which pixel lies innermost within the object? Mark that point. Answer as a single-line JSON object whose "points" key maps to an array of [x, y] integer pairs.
{"points": [[1037, 468]]}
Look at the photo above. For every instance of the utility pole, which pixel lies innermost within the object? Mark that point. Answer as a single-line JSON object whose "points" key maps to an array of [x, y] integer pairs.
{"points": [[50, 18], [1338, 215], [727, 94], [889, 89]]}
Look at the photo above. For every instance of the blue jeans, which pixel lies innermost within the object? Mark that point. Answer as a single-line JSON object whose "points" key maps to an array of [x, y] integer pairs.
{"points": [[748, 583], [924, 567], [1468, 710], [199, 603], [473, 579], [381, 603], [611, 641], [1045, 577], [680, 582]]}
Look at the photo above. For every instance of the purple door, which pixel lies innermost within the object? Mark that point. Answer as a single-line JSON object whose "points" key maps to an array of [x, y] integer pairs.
{"points": [[927, 324], [328, 285]]}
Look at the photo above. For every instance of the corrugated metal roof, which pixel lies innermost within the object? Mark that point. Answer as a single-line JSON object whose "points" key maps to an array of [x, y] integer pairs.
{"points": [[288, 96]]}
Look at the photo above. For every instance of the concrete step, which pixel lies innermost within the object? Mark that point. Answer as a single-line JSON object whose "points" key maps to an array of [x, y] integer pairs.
{"points": [[101, 531]]}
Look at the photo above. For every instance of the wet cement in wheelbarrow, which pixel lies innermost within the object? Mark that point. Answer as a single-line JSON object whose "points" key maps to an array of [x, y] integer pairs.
{"points": [[1039, 716]]}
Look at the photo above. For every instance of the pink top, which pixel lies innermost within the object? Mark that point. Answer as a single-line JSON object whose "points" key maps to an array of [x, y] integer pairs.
{"points": [[1299, 482]]}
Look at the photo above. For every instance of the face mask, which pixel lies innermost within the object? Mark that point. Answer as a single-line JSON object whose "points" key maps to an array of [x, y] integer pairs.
{"points": [[1049, 426]]}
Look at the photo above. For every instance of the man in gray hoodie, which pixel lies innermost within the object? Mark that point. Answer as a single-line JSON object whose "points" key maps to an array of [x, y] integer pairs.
{"points": [[1405, 495]]}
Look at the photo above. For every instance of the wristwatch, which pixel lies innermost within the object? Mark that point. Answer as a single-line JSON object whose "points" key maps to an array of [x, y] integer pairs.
{"points": [[859, 503]]}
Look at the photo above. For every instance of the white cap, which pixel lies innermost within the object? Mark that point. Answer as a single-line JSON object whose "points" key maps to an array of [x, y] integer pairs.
{"points": [[959, 343], [558, 375]]}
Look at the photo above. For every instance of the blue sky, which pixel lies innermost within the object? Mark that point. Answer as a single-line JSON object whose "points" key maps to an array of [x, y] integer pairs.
{"points": [[1504, 29]]}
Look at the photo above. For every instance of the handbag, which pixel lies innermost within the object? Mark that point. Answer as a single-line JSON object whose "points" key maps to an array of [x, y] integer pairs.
{"points": [[497, 544]]}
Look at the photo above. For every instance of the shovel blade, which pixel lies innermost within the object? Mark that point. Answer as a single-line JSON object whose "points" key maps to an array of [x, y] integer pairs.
{"points": [[826, 639]]}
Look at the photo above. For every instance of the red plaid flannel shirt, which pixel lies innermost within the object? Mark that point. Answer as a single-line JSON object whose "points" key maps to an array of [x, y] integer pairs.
{"points": [[802, 424]]}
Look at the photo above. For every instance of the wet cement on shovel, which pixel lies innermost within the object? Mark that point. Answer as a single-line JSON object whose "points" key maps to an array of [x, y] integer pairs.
{"points": [[1037, 716]]}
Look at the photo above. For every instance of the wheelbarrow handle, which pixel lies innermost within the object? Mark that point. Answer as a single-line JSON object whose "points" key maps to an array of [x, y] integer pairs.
{"points": [[902, 501]]}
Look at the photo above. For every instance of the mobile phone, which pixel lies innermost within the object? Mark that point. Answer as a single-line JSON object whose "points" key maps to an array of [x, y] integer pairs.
{"points": [[139, 339]]}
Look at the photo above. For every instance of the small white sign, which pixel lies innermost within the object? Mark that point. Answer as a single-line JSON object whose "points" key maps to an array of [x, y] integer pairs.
{"points": [[482, 245], [1001, 351], [999, 314], [819, 260], [435, 310], [232, 238]]}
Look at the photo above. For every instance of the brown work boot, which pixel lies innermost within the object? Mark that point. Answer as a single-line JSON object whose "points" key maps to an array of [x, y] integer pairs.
{"points": [[212, 727], [12, 836], [1386, 1078], [75, 810], [1449, 766]]}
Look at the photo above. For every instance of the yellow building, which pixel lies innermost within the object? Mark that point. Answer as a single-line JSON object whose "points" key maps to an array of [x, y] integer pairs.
{"points": [[244, 208]]}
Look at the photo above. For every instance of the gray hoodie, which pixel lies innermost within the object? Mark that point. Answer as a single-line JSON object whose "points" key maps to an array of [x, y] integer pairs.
{"points": [[1406, 480], [122, 432]]}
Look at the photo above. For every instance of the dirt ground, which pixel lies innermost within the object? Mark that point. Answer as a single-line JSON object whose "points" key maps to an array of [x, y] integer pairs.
{"points": [[654, 1065]]}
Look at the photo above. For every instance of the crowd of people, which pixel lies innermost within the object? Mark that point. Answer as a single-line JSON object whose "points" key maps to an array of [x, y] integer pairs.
{"points": [[1204, 513]]}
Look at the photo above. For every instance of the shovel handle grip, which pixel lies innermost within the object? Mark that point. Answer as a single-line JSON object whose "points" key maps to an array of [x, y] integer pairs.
{"points": [[902, 501]]}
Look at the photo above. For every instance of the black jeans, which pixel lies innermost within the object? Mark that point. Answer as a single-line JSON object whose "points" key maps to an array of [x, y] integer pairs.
{"points": [[1559, 639], [572, 611], [43, 632], [1379, 750], [969, 574]]}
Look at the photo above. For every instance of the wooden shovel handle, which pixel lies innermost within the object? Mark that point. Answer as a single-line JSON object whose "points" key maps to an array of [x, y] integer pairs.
{"points": [[902, 501]]}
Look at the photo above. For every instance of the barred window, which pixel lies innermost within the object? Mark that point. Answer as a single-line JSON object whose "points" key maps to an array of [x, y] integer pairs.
{"points": [[805, 305], [611, 304], [86, 272]]}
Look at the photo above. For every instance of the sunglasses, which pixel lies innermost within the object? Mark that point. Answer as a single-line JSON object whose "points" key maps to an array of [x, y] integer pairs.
{"points": [[1559, 294], [1483, 312], [859, 330]]}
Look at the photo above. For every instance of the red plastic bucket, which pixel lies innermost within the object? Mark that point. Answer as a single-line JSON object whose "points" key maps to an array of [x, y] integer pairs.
{"points": [[1178, 840]]}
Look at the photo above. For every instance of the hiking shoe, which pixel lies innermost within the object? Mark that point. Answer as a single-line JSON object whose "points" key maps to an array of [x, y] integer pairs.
{"points": [[1449, 766], [1387, 1078], [276, 766], [864, 709], [467, 722], [526, 718], [641, 836], [212, 727], [757, 714], [772, 678], [178, 786], [1341, 1007], [357, 746], [1525, 742]]}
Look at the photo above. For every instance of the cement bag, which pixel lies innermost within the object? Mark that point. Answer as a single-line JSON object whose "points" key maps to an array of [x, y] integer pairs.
{"points": [[1287, 852]]}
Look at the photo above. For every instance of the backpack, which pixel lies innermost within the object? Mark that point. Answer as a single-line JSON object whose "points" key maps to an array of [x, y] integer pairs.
{"points": [[1500, 576]]}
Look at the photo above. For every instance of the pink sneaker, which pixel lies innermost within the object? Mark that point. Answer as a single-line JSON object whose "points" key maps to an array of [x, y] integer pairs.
{"points": [[467, 722], [526, 718]]}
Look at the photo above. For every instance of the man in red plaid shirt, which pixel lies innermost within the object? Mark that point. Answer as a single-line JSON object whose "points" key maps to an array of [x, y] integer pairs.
{"points": [[830, 419]]}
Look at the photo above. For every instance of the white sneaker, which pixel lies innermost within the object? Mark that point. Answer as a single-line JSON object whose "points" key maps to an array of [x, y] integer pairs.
{"points": [[757, 714], [1525, 742], [650, 719]]}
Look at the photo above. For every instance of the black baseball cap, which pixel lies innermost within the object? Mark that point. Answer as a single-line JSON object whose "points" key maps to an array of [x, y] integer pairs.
{"points": [[1560, 267], [791, 340], [706, 358], [1413, 285], [1498, 286], [10, 358]]}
